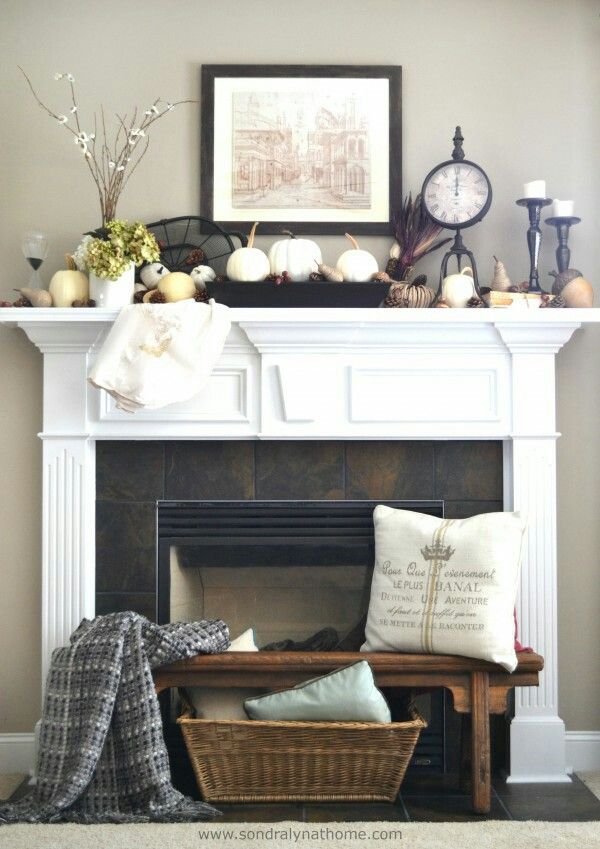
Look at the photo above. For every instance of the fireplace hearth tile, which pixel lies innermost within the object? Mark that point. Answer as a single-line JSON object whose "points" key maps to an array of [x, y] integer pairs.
{"points": [[249, 812], [341, 812], [129, 471], [468, 471], [125, 546], [450, 809], [299, 470], [389, 470], [143, 603], [209, 470]]}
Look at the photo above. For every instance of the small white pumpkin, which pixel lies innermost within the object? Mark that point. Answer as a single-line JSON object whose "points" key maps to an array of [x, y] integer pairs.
{"points": [[201, 275], [248, 264], [176, 286], [69, 285], [355, 265], [299, 257], [458, 289], [151, 274]]}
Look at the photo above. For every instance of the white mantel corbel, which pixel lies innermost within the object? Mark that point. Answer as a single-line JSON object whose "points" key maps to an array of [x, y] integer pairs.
{"points": [[328, 374]]}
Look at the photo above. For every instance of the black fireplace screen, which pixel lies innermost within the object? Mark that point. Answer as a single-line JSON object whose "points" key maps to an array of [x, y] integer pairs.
{"points": [[252, 534]]}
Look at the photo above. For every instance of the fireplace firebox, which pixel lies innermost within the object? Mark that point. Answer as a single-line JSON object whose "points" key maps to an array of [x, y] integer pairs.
{"points": [[288, 568]]}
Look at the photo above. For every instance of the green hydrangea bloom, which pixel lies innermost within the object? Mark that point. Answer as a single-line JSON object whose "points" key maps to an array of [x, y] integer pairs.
{"points": [[126, 243]]}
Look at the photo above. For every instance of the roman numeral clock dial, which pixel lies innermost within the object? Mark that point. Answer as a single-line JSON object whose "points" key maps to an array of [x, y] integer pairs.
{"points": [[457, 194]]}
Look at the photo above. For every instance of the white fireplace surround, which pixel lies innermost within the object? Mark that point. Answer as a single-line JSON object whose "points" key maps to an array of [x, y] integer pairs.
{"points": [[329, 374]]}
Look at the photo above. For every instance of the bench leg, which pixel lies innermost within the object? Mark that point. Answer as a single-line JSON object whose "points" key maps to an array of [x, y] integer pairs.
{"points": [[465, 753], [480, 742]]}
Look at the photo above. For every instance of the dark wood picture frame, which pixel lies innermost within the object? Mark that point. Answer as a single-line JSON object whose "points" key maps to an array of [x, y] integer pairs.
{"points": [[393, 73]]}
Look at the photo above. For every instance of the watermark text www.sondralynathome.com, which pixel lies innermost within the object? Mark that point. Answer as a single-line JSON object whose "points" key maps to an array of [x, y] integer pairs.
{"points": [[300, 833]]}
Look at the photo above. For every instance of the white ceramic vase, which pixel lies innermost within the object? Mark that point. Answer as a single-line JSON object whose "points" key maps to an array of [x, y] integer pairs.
{"points": [[113, 294]]}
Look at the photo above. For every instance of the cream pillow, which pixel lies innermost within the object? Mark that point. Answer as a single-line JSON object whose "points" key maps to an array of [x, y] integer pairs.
{"points": [[226, 702], [445, 586], [245, 642]]}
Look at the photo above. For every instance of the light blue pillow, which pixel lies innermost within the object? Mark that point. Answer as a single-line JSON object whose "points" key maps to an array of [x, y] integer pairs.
{"points": [[346, 694]]}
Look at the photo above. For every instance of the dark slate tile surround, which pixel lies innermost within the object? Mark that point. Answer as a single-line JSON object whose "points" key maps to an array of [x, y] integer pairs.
{"points": [[132, 476]]}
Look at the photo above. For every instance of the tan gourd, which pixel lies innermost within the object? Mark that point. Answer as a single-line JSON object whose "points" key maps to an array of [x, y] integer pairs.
{"points": [[329, 273], [578, 292], [36, 297], [69, 285], [501, 282], [176, 286], [411, 294]]}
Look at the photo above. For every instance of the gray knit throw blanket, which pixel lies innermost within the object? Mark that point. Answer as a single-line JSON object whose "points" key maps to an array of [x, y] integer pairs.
{"points": [[102, 754]]}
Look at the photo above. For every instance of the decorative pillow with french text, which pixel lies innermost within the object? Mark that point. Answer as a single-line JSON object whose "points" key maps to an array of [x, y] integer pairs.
{"points": [[445, 586]]}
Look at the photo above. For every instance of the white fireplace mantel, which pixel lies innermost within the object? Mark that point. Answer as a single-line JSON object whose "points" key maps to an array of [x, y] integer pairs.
{"points": [[328, 374]]}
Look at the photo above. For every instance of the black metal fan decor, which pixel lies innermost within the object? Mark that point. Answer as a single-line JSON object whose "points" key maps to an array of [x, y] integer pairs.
{"points": [[188, 241]]}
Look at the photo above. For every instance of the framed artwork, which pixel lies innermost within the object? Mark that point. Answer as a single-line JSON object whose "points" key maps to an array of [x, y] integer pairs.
{"points": [[315, 148]]}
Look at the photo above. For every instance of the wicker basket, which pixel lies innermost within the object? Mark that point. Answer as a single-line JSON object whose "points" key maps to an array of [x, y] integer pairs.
{"points": [[255, 761]]}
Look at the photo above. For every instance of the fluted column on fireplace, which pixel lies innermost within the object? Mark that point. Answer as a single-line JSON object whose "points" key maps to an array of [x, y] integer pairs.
{"points": [[537, 733]]}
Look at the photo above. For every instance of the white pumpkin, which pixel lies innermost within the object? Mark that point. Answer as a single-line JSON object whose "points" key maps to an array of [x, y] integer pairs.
{"points": [[69, 285], [355, 265], [299, 257], [248, 264], [201, 275], [151, 274], [176, 286]]}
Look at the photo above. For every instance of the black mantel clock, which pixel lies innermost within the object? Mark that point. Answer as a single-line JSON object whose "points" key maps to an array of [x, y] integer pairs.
{"points": [[457, 194]]}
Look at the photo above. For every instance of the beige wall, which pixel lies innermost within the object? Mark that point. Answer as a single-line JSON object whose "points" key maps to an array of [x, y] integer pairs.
{"points": [[523, 79]]}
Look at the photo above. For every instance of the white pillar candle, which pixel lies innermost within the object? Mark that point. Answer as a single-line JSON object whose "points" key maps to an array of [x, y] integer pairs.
{"points": [[535, 189], [563, 209]]}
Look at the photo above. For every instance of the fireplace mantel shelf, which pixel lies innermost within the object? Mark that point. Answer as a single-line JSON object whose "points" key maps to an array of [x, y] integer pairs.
{"points": [[18, 316], [356, 374]]}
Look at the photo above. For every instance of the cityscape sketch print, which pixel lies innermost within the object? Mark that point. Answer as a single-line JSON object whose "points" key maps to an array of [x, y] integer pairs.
{"points": [[294, 150]]}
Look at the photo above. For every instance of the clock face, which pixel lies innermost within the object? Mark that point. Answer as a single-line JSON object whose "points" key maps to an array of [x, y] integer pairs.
{"points": [[457, 194]]}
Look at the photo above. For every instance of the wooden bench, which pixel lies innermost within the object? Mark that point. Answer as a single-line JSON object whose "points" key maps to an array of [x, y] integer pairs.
{"points": [[478, 688]]}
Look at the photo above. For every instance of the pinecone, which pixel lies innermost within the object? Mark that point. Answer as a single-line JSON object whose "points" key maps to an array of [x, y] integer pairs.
{"points": [[201, 296], [393, 268], [195, 257], [475, 302], [395, 297], [381, 277], [138, 298], [316, 277], [271, 278], [420, 280], [556, 303], [221, 278], [520, 287], [22, 302], [156, 298]]}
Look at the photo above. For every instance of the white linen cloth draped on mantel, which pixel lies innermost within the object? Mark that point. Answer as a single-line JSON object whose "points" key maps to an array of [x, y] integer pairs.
{"points": [[160, 354]]}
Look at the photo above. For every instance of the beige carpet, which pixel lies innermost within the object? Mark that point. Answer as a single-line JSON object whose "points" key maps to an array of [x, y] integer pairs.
{"points": [[9, 781], [286, 835], [591, 781]]}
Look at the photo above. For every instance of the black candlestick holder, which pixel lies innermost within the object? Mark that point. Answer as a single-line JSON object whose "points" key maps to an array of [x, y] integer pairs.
{"points": [[563, 224], [534, 237]]}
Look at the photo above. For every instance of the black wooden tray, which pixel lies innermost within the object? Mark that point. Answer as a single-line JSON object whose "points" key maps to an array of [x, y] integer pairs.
{"points": [[302, 294]]}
